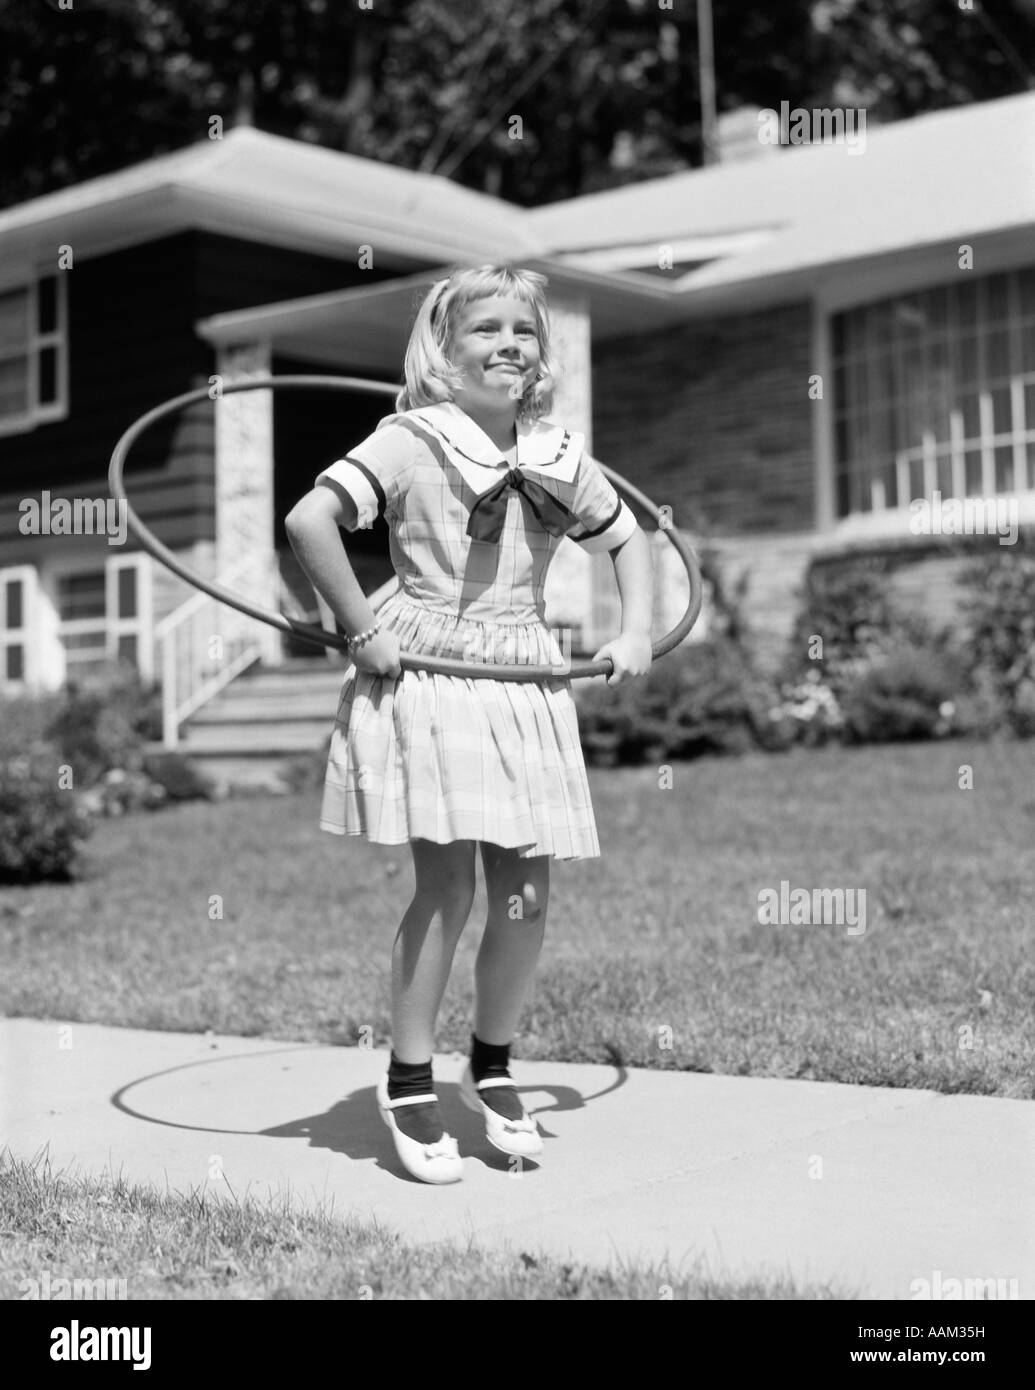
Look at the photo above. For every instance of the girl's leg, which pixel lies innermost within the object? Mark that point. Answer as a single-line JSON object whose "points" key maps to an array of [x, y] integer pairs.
{"points": [[421, 959], [518, 892], [426, 942]]}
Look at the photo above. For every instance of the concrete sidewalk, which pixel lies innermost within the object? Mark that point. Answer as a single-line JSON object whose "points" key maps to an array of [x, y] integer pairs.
{"points": [[866, 1190]]}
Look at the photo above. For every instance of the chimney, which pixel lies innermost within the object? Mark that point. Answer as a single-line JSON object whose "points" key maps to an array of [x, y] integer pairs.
{"points": [[737, 138]]}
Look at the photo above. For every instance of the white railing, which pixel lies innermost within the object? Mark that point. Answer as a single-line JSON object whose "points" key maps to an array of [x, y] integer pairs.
{"points": [[380, 595], [205, 644]]}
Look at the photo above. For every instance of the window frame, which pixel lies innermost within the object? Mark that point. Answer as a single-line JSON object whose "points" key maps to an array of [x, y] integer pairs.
{"points": [[932, 455], [113, 626], [23, 636], [40, 412]]}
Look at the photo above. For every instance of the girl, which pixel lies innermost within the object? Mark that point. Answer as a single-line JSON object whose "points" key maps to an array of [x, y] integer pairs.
{"points": [[477, 490]]}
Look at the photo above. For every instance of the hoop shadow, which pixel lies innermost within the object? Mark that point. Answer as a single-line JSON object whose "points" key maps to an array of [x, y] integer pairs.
{"points": [[353, 1126]]}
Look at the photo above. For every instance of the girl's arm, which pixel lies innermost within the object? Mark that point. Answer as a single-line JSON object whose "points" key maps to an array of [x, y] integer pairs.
{"points": [[630, 653], [312, 529]]}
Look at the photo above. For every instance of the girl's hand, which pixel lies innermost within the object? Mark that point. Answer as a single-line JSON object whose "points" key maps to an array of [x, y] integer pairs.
{"points": [[631, 655], [379, 656]]}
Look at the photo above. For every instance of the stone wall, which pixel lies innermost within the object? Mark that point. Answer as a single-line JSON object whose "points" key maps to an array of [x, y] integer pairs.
{"points": [[713, 417]]}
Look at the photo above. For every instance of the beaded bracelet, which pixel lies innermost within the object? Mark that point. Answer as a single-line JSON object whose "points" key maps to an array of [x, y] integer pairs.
{"points": [[358, 640]]}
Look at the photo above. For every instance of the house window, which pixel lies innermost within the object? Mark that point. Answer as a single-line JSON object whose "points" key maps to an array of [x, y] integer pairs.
{"points": [[73, 617], [83, 620], [33, 353], [14, 624], [935, 391], [102, 612], [17, 621]]}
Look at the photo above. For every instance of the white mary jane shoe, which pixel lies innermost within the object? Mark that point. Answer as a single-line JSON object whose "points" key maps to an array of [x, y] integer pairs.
{"points": [[434, 1163], [520, 1137]]}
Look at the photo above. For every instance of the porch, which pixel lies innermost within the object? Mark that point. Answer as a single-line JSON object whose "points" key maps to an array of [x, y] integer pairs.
{"points": [[237, 691], [269, 448]]}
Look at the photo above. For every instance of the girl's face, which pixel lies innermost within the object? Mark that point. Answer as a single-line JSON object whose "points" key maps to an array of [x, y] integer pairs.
{"points": [[496, 346]]}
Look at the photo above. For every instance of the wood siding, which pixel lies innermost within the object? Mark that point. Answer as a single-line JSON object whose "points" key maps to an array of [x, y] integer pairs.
{"points": [[133, 344], [713, 417], [310, 430]]}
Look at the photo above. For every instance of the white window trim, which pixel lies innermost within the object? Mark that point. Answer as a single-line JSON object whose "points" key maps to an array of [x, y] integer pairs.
{"points": [[42, 413], [854, 286], [141, 627], [893, 523], [24, 636]]}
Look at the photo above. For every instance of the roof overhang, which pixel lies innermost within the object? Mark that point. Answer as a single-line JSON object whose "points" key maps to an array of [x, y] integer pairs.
{"points": [[367, 328], [791, 228], [278, 192]]}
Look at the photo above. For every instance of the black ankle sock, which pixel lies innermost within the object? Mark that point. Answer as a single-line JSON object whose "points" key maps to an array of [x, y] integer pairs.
{"points": [[420, 1122], [408, 1078], [491, 1061]]}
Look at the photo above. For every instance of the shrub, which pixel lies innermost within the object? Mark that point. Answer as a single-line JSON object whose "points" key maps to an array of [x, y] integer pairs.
{"points": [[104, 721], [118, 793], [725, 597], [24, 720], [1022, 713], [707, 698], [980, 708], [307, 771], [42, 826], [910, 694], [998, 604], [809, 713], [851, 607], [179, 777]]}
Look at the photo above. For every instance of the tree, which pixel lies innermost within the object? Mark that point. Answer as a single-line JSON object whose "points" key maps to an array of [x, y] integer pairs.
{"points": [[606, 90]]}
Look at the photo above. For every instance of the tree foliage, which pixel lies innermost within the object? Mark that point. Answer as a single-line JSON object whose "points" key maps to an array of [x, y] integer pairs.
{"points": [[607, 90]]}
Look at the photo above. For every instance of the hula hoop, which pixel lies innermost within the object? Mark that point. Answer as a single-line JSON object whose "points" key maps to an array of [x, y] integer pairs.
{"points": [[444, 666]]}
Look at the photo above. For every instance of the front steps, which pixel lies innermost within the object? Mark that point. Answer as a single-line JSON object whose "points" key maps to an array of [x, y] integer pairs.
{"points": [[250, 732]]}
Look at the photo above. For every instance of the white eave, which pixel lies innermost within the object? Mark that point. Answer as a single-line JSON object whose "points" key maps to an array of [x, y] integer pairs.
{"points": [[263, 187], [786, 227], [951, 177], [367, 328]]}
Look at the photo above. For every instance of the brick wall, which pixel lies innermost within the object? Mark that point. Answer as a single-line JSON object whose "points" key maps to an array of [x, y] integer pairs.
{"points": [[713, 417], [926, 577], [773, 570], [929, 585]]}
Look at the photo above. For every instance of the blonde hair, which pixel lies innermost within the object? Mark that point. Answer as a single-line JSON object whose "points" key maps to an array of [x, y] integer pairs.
{"points": [[429, 374]]}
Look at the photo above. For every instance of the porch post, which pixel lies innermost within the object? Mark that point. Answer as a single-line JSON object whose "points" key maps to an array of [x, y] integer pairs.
{"points": [[571, 350], [244, 480], [572, 583]]}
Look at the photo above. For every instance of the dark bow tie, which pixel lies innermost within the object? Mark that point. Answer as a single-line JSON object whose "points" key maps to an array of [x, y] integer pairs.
{"points": [[490, 509]]}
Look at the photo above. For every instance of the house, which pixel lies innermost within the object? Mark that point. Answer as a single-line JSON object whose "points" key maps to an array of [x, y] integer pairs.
{"points": [[787, 350]]}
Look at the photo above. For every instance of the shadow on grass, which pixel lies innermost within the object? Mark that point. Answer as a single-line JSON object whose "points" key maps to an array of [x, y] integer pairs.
{"points": [[353, 1127]]}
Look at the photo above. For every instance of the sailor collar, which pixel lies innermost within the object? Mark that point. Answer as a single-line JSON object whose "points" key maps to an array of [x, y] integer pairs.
{"points": [[547, 451]]}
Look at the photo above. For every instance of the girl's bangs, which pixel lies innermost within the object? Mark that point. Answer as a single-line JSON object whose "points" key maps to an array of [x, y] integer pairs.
{"points": [[497, 282]]}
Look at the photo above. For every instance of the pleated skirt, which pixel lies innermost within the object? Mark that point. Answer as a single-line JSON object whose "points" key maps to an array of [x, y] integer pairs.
{"points": [[445, 758]]}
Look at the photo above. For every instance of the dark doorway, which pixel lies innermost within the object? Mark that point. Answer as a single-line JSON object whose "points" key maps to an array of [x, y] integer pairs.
{"points": [[311, 429]]}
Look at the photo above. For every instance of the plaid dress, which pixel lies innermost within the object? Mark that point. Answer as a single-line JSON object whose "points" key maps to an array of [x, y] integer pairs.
{"points": [[445, 758]]}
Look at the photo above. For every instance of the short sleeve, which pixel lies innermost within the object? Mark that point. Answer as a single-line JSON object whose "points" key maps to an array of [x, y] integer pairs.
{"points": [[376, 473], [604, 521]]}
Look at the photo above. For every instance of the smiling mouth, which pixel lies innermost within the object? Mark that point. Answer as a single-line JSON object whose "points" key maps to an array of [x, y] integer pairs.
{"points": [[506, 367]]}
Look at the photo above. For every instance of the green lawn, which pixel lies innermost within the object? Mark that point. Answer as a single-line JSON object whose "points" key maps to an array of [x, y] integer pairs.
{"points": [[174, 1246], [658, 942]]}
